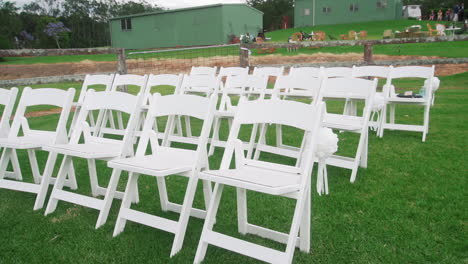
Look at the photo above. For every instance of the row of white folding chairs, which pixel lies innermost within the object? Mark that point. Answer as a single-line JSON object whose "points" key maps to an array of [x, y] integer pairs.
{"points": [[270, 178]]}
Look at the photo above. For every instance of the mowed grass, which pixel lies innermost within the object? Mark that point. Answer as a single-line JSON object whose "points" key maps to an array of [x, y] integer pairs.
{"points": [[375, 31], [408, 206]]}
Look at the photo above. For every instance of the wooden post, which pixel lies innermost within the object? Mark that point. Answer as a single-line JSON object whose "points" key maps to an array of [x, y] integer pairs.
{"points": [[244, 57], [368, 53], [122, 65]]}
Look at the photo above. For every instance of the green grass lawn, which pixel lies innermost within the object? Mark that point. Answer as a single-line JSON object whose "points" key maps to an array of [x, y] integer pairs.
{"points": [[408, 206], [375, 30]]}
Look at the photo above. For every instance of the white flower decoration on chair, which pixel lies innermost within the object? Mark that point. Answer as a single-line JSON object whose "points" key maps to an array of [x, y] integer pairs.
{"points": [[326, 146]]}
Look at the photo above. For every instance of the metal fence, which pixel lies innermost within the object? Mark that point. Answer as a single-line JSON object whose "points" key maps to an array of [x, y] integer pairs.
{"points": [[180, 60]]}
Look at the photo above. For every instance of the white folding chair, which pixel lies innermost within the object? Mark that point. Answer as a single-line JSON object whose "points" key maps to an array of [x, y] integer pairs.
{"points": [[155, 82], [34, 139], [131, 81], [288, 87], [391, 99], [240, 86], [90, 80], [382, 72], [350, 89], [233, 71], [93, 148], [332, 72], [204, 85], [265, 177], [271, 72], [202, 70], [164, 161], [8, 99]]}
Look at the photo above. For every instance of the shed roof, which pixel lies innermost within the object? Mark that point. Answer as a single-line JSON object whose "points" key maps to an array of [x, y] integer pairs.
{"points": [[184, 9]]}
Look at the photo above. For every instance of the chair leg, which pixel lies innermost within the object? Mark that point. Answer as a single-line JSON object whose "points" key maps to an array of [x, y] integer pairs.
{"points": [[64, 167], [357, 158], [93, 177], [209, 222], [162, 193], [242, 210], [392, 113], [46, 177], [4, 161], [184, 215], [109, 197], [34, 167], [383, 121], [253, 137], [426, 122], [188, 128], [298, 213], [215, 138], [207, 192], [365, 150], [126, 203], [16, 166], [304, 231]]}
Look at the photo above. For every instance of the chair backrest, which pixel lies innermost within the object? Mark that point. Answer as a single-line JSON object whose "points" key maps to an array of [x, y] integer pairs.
{"points": [[233, 71], [108, 100], [130, 79], [7, 99], [205, 84], [297, 86], [269, 71], [305, 71], [44, 96], [174, 80], [332, 72], [370, 71], [202, 70], [202, 108], [302, 116], [95, 79], [423, 72], [348, 88]]}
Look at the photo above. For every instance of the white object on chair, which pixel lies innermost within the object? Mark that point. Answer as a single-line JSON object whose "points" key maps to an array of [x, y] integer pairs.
{"points": [[34, 139], [165, 161], [265, 177], [202, 70]]}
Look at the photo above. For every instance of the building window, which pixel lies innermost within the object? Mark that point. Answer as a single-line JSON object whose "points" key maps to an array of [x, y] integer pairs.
{"points": [[306, 12], [326, 10], [354, 7], [126, 24], [382, 4]]}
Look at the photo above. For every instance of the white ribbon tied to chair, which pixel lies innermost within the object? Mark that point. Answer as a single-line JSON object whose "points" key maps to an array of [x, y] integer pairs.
{"points": [[327, 145], [435, 84], [377, 106]]}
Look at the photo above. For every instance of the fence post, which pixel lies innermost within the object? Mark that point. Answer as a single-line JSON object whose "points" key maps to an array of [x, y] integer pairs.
{"points": [[244, 57], [122, 65], [368, 53]]}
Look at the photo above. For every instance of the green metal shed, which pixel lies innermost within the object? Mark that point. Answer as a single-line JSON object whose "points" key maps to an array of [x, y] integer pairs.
{"points": [[326, 12], [203, 25]]}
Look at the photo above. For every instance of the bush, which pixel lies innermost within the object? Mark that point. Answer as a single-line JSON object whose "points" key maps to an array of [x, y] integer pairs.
{"points": [[5, 43]]}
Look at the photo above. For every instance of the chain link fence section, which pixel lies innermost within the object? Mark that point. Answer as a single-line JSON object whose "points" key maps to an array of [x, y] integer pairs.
{"points": [[180, 60]]}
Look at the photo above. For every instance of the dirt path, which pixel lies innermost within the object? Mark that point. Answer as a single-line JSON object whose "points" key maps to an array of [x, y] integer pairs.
{"points": [[10, 72]]}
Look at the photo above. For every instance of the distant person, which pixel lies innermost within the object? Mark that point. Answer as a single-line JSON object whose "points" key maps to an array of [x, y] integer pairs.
{"points": [[447, 14], [456, 9], [439, 15], [431, 16]]}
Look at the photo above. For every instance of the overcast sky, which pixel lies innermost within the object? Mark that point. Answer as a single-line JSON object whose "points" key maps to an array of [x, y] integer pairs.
{"points": [[170, 4]]}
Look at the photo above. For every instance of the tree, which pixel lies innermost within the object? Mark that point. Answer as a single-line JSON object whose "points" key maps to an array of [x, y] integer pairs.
{"points": [[10, 24], [273, 11], [56, 31]]}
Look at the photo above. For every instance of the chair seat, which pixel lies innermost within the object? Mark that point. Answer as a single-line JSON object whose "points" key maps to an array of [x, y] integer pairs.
{"points": [[406, 100], [255, 178], [343, 122], [166, 161], [88, 150], [28, 142]]}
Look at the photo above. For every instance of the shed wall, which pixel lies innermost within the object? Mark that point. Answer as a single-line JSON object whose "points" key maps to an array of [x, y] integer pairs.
{"points": [[238, 19]]}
